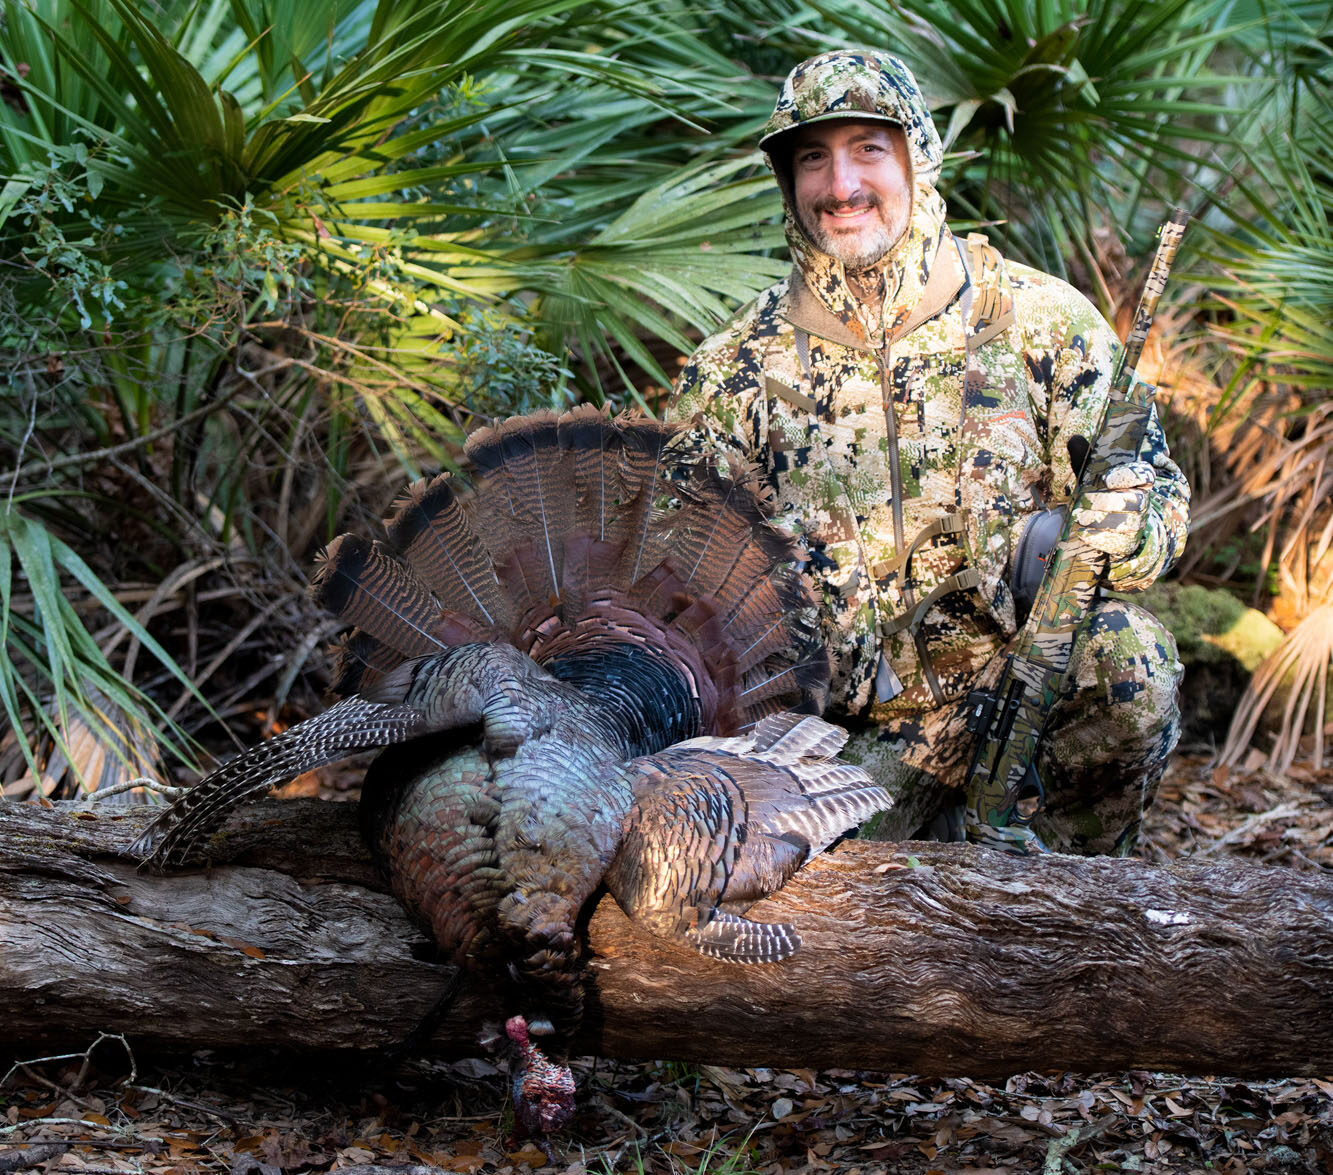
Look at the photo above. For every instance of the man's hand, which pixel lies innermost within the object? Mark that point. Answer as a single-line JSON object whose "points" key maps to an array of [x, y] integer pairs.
{"points": [[1115, 519]]}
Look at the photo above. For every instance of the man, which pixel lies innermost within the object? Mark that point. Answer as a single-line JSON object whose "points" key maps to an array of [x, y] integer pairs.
{"points": [[917, 403]]}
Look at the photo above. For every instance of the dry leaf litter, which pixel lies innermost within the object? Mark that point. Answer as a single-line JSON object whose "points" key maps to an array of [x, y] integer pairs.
{"points": [[110, 1112]]}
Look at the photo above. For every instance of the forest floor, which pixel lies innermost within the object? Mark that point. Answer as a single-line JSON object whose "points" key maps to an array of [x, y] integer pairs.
{"points": [[285, 1115]]}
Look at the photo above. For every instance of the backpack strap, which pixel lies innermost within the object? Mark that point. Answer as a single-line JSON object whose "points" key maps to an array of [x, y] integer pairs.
{"points": [[988, 298]]}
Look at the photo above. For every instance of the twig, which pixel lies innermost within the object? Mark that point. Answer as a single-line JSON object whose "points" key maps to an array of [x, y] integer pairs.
{"points": [[23, 444], [152, 785], [63, 1091], [86, 1056], [31, 1122], [49, 467], [1258, 820], [27, 1157]]}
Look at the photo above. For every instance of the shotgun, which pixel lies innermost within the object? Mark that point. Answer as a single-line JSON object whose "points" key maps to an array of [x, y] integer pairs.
{"points": [[1003, 790]]}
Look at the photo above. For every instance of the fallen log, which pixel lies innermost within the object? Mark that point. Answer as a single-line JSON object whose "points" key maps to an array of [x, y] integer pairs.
{"points": [[923, 958]]}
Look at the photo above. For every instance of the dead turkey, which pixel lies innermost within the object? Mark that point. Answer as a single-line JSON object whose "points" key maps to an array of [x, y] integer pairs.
{"points": [[594, 663]]}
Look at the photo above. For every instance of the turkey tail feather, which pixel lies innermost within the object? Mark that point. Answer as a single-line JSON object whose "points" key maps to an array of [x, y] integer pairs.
{"points": [[522, 459], [352, 725], [431, 531], [806, 678], [641, 453], [362, 583], [590, 435]]}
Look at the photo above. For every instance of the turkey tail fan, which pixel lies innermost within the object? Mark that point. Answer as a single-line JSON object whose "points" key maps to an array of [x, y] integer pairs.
{"points": [[352, 725], [430, 529], [520, 462], [571, 524]]}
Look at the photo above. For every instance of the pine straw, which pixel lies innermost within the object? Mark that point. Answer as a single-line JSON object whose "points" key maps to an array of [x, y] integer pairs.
{"points": [[269, 1114]]}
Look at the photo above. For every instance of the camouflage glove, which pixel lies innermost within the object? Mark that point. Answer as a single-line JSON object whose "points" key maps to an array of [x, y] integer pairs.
{"points": [[1119, 521]]}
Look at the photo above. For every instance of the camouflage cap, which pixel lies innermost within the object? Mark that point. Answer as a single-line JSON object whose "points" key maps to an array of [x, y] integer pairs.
{"points": [[858, 83]]}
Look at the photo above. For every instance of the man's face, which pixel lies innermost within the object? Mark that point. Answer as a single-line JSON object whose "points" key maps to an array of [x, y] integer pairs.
{"points": [[853, 194]]}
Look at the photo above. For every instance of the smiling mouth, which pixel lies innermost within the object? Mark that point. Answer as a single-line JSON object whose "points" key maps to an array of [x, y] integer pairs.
{"points": [[848, 217]]}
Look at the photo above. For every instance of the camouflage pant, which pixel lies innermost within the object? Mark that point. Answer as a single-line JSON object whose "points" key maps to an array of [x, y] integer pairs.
{"points": [[1105, 748]]}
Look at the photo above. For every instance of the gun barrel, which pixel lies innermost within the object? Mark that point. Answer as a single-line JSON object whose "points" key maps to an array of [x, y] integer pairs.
{"points": [[1168, 242]]}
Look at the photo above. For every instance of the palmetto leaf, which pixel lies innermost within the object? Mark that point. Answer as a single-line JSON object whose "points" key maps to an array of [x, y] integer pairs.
{"points": [[60, 677], [684, 250]]}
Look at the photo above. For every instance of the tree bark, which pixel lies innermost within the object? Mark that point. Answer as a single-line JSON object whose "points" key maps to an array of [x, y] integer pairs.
{"points": [[923, 958]]}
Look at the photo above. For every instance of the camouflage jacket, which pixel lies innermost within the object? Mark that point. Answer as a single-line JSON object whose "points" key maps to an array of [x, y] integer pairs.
{"points": [[908, 447]]}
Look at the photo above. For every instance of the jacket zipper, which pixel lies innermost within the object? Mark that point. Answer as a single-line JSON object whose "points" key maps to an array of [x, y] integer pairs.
{"points": [[895, 471], [899, 531]]}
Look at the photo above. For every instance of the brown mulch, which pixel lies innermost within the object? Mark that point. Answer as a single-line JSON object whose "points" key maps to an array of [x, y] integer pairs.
{"points": [[273, 1115]]}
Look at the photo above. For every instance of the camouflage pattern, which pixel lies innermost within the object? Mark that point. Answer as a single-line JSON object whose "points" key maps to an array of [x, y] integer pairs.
{"points": [[986, 368], [1102, 757], [858, 83]]}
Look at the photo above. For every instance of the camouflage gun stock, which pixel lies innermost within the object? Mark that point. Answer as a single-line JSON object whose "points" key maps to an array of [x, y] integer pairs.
{"points": [[1003, 790]]}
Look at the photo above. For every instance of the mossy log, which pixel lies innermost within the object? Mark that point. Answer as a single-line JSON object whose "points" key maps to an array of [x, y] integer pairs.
{"points": [[924, 958]]}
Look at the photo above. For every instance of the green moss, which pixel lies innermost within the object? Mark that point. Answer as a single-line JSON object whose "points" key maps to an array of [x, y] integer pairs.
{"points": [[1211, 625]]}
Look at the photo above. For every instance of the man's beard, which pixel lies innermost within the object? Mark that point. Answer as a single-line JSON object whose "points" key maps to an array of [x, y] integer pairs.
{"points": [[856, 250]]}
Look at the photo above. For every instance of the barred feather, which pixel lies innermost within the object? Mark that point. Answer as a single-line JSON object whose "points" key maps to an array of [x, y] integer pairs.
{"points": [[353, 725], [737, 940], [431, 531], [641, 462], [719, 823], [592, 439], [521, 464], [366, 586]]}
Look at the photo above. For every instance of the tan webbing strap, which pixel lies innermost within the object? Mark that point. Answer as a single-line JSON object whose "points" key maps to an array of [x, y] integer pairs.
{"points": [[988, 304], [949, 524], [961, 581], [798, 400]]}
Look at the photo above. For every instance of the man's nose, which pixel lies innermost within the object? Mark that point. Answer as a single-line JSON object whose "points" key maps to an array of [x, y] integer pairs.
{"points": [[846, 179]]}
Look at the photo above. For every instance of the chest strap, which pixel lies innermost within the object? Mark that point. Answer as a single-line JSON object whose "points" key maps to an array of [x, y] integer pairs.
{"points": [[960, 581]]}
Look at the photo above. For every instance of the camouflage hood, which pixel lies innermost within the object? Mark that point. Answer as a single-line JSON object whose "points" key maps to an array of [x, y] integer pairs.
{"points": [[862, 84]]}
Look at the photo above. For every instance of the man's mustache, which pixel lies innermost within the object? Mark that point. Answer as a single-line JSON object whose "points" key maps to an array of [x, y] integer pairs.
{"points": [[825, 204]]}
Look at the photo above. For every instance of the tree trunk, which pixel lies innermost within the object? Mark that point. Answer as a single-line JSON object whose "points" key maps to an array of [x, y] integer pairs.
{"points": [[924, 958]]}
